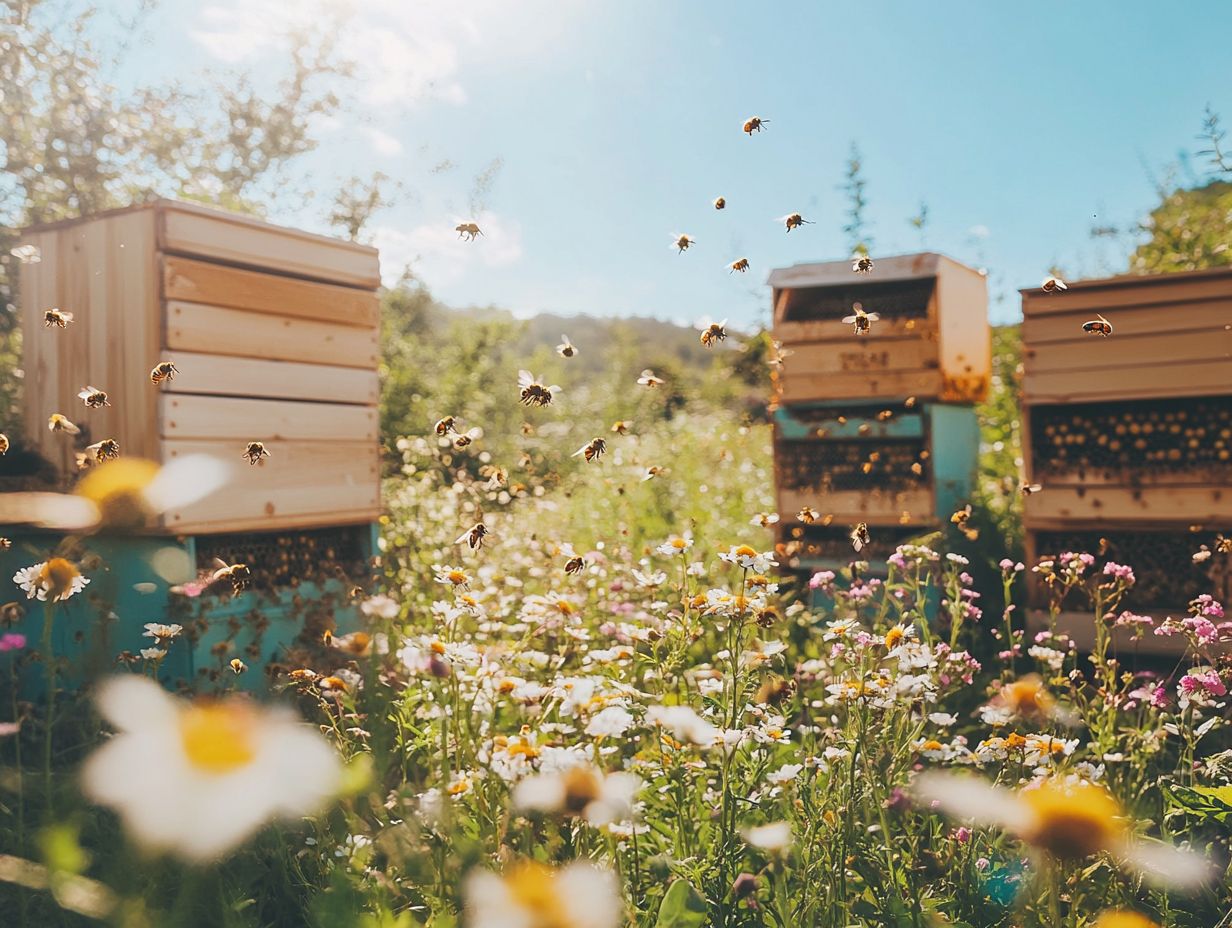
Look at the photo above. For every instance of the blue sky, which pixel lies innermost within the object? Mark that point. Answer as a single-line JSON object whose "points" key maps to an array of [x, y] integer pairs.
{"points": [[616, 123]]}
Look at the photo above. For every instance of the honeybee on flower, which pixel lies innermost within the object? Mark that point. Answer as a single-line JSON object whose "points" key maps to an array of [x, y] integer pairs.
{"points": [[648, 379], [196, 779], [56, 318], [57, 422], [532, 392], [162, 372], [682, 242], [1066, 819], [93, 397], [592, 450], [860, 321], [566, 348]]}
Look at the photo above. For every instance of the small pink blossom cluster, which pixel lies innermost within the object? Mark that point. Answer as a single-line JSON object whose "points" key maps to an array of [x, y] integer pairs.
{"points": [[1202, 683], [12, 641], [822, 580], [1122, 572]]}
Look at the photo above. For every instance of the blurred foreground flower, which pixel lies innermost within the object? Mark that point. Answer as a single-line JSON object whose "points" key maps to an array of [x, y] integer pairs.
{"points": [[531, 895], [1123, 919], [1068, 820], [584, 791], [124, 493], [56, 579], [198, 778]]}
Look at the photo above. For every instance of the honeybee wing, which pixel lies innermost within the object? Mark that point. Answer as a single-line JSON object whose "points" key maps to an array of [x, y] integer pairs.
{"points": [[723, 324], [582, 450], [525, 379], [872, 317], [784, 217], [86, 392], [848, 320], [464, 536], [67, 317], [1101, 318]]}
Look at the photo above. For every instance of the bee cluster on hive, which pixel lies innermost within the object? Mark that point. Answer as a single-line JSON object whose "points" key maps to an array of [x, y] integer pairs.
{"points": [[281, 560], [855, 464], [1132, 440]]}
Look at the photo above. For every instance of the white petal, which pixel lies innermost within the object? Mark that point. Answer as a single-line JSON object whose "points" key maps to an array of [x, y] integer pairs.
{"points": [[132, 703], [973, 799], [542, 793], [590, 896], [49, 510], [185, 481], [1168, 865]]}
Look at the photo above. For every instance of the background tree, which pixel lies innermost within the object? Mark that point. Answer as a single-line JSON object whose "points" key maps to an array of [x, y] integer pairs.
{"points": [[859, 241]]}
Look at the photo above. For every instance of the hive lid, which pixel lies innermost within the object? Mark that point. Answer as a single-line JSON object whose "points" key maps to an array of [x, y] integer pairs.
{"points": [[922, 266]]}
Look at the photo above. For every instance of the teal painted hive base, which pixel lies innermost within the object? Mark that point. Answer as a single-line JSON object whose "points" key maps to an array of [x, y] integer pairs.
{"points": [[131, 580]]}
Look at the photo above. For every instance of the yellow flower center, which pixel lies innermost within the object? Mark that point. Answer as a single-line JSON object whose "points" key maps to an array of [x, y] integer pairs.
{"points": [[931, 745], [893, 637], [745, 551], [533, 889], [217, 737], [1027, 697], [117, 488], [1124, 920], [57, 577], [1072, 821], [679, 543], [458, 577], [523, 749]]}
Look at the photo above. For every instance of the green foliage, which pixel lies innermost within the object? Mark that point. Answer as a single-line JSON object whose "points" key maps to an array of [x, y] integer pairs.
{"points": [[1000, 465], [1188, 231], [682, 907]]}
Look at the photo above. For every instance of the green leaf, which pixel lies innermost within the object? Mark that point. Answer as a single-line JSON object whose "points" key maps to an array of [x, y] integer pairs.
{"points": [[1204, 802], [682, 907]]}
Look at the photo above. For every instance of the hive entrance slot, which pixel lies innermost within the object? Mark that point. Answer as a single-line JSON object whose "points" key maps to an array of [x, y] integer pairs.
{"points": [[904, 299]]}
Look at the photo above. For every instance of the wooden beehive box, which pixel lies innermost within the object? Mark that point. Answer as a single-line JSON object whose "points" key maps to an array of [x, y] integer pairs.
{"points": [[1131, 436], [932, 340], [274, 332], [1136, 428]]}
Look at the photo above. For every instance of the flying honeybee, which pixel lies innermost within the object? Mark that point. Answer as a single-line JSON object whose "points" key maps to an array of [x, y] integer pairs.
{"points": [[720, 203], [1053, 284], [4, 443], [740, 264], [713, 333], [474, 536], [1098, 326], [1028, 488], [255, 452], [860, 538], [648, 379], [163, 370], [575, 565], [862, 264], [57, 318], [1223, 544], [592, 449], [566, 348], [777, 353], [104, 450], [808, 515], [445, 425], [238, 666], [793, 221], [765, 519], [534, 393], [467, 438], [27, 254], [93, 397], [58, 423], [754, 124], [961, 516], [236, 576], [860, 321], [909, 402], [497, 476], [653, 471], [682, 242], [621, 426], [917, 468], [468, 230]]}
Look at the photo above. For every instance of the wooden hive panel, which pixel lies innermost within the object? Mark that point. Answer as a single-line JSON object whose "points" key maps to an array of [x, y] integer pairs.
{"points": [[876, 507], [233, 239], [243, 420], [223, 375], [1172, 337], [302, 483]]}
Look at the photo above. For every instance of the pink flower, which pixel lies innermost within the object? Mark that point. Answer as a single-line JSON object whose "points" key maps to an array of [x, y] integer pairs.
{"points": [[12, 641], [823, 579], [1196, 680], [1121, 572], [962, 835]]}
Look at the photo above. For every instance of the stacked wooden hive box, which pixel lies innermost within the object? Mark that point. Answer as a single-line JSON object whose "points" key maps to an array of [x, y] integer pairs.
{"points": [[877, 428], [1130, 436], [275, 336]]}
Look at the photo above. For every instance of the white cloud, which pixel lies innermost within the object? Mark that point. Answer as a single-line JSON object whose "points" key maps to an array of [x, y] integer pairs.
{"points": [[382, 142], [440, 257], [403, 52]]}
